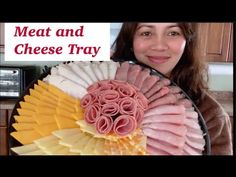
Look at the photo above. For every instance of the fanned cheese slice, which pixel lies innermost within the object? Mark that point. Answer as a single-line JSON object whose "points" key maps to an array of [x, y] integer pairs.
{"points": [[27, 136], [46, 129], [79, 146], [25, 112], [62, 94], [42, 119], [39, 88], [91, 130], [66, 132], [28, 106], [56, 149], [43, 84], [45, 110], [24, 119], [24, 126], [35, 93], [37, 152], [99, 146], [25, 149], [45, 140], [89, 147], [64, 122], [71, 140], [31, 99]]}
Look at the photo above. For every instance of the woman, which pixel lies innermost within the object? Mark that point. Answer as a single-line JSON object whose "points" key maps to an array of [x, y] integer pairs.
{"points": [[171, 49]]}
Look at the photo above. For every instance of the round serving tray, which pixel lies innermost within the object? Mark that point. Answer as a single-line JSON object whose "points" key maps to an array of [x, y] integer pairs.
{"points": [[13, 142]]}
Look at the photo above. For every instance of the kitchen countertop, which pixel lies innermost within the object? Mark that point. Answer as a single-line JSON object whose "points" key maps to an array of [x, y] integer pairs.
{"points": [[225, 98]]}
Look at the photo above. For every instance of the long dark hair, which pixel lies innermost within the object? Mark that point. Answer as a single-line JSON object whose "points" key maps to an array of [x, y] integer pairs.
{"points": [[190, 73]]}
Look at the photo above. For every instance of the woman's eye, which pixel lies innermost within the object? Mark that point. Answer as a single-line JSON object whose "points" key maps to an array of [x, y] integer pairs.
{"points": [[174, 33], [145, 34]]}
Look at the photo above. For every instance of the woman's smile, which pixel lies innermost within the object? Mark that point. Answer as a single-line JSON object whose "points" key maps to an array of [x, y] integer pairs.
{"points": [[158, 59]]}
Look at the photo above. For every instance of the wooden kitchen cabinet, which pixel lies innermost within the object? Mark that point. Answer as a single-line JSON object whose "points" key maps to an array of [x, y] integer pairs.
{"points": [[216, 42], [2, 41], [6, 108]]}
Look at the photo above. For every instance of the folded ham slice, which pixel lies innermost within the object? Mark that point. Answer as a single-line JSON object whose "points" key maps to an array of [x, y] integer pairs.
{"points": [[104, 124], [124, 125]]}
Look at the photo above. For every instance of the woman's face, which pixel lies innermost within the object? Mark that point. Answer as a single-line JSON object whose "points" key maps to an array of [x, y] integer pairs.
{"points": [[159, 45]]}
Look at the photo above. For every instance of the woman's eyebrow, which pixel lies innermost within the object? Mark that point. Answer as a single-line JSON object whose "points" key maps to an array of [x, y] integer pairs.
{"points": [[148, 26]]}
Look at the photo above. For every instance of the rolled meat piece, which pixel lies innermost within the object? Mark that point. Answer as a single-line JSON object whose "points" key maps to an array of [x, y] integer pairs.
{"points": [[87, 100], [110, 109], [124, 125], [104, 124], [92, 113], [108, 96], [125, 90], [128, 106]]}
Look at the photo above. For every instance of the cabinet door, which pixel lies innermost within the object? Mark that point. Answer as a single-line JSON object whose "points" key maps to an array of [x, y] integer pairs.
{"points": [[215, 41], [5, 115], [2, 41]]}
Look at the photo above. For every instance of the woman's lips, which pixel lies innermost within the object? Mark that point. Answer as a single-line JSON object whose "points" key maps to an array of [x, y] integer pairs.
{"points": [[158, 59]]}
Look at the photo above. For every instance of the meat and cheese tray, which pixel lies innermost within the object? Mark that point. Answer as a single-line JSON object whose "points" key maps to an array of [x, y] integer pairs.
{"points": [[106, 108]]}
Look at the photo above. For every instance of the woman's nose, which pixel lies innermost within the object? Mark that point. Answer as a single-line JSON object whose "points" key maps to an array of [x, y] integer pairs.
{"points": [[159, 43]]}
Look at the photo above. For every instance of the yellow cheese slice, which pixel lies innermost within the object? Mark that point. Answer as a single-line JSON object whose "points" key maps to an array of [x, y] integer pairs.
{"points": [[31, 99], [26, 137], [53, 150], [64, 122], [24, 119], [66, 132], [28, 106], [89, 147], [71, 140], [35, 93], [99, 146], [43, 84], [37, 152], [65, 113], [79, 146], [39, 88], [42, 119], [62, 94], [24, 126], [25, 149], [25, 112], [85, 127], [45, 110], [46, 129]]}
